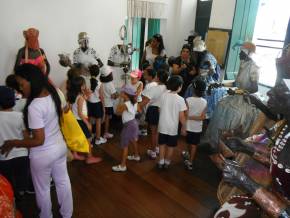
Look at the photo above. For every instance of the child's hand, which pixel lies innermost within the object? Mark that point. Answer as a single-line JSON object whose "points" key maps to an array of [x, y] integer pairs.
{"points": [[203, 116], [183, 131]]}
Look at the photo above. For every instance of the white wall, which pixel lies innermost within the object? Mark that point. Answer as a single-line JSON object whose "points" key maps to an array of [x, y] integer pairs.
{"points": [[180, 21], [59, 23], [222, 14]]}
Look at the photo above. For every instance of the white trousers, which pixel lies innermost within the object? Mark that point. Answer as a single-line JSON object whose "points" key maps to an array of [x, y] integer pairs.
{"points": [[52, 164]]}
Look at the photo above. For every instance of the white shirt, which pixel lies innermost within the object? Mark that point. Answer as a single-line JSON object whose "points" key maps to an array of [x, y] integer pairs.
{"points": [[42, 114], [75, 109], [95, 96], [154, 93], [109, 90], [196, 106], [149, 85], [171, 104], [130, 113], [150, 56], [12, 127]]}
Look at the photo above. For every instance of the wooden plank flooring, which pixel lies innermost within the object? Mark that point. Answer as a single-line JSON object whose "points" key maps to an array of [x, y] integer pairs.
{"points": [[143, 191]]}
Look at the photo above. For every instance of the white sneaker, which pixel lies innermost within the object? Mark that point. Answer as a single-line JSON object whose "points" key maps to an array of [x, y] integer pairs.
{"points": [[151, 154], [119, 168], [133, 157], [100, 141], [108, 135]]}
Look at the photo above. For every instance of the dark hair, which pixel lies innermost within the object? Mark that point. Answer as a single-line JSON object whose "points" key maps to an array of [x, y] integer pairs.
{"points": [[75, 89], [12, 83], [174, 83], [162, 76], [38, 81], [186, 46], [151, 72], [160, 63], [7, 97], [132, 98], [106, 79], [199, 87], [145, 65], [94, 71], [159, 39]]}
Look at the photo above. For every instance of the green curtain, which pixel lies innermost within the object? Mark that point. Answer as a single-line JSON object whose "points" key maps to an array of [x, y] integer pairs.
{"points": [[243, 30], [153, 27], [136, 37]]}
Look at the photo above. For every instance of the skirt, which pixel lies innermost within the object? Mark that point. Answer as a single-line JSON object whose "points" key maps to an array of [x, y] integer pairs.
{"points": [[129, 133]]}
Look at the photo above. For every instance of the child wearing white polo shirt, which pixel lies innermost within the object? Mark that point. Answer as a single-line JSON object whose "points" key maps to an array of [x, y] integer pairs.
{"points": [[197, 107], [172, 111]]}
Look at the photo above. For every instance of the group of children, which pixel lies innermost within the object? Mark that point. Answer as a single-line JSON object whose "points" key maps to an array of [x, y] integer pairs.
{"points": [[92, 100]]}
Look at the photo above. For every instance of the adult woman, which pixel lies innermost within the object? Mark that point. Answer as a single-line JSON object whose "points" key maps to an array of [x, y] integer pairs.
{"points": [[155, 49], [31, 53], [185, 67], [274, 201], [42, 115]]}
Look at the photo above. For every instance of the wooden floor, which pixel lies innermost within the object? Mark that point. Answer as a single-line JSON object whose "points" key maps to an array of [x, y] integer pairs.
{"points": [[143, 191]]}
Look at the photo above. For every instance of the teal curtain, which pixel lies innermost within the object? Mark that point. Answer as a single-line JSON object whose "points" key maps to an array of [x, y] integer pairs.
{"points": [[243, 30], [136, 37], [153, 27]]}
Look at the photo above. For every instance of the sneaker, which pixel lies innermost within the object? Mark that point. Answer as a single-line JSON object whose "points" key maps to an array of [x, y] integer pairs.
{"points": [[188, 165], [100, 141], [108, 135], [151, 154], [160, 166], [185, 155], [119, 168], [93, 160], [133, 157], [166, 166]]}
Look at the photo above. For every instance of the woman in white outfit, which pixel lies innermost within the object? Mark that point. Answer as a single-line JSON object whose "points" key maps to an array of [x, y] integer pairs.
{"points": [[42, 115]]}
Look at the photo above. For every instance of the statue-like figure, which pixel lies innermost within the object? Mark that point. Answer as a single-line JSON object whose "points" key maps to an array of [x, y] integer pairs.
{"points": [[31, 53], [275, 199], [86, 55], [239, 111]]}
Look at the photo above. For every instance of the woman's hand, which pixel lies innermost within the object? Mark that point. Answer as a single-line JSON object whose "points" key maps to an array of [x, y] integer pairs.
{"points": [[7, 147]]}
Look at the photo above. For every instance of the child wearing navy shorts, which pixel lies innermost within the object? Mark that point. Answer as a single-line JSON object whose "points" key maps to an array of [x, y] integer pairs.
{"points": [[196, 113], [110, 94], [172, 111], [95, 104], [151, 98]]}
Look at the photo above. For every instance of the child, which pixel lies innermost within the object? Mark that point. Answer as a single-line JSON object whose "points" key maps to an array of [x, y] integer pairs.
{"points": [[196, 114], [151, 97], [19, 100], [77, 97], [149, 76], [95, 104], [172, 110], [15, 166], [110, 94], [130, 129], [136, 84]]}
